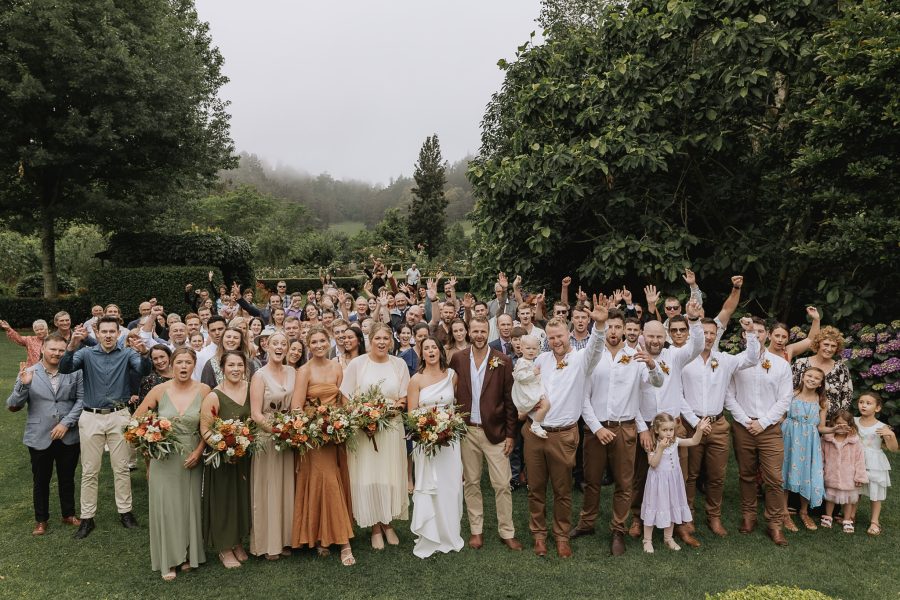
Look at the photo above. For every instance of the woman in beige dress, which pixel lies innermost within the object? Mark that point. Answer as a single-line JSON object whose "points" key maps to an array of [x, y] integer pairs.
{"points": [[272, 472], [378, 478]]}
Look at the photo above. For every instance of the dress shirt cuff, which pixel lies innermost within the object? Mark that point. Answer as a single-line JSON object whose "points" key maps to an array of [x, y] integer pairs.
{"points": [[764, 422], [691, 418], [641, 425]]}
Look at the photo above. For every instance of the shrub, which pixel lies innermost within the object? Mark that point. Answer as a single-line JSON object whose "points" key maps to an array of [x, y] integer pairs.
{"points": [[32, 285], [229, 254], [19, 255], [22, 312], [769, 592], [129, 287], [302, 284]]}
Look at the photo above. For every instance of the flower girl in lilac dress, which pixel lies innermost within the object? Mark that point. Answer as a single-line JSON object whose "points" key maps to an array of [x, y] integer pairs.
{"points": [[665, 500]]}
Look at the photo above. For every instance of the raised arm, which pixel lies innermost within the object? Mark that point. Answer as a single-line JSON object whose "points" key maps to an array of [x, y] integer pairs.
{"points": [[797, 348], [594, 349], [652, 296], [564, 289], [731, 302]]}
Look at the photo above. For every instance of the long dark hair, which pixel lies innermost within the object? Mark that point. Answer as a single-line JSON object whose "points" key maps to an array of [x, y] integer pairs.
{"points": [[442, 361], [361, 340]]}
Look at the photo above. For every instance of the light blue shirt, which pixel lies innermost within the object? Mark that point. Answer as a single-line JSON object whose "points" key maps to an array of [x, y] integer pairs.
{"points": [[105, 374]]}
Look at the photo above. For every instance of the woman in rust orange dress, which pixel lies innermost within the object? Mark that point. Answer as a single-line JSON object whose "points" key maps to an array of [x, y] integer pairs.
{"points": [[322, 511]]}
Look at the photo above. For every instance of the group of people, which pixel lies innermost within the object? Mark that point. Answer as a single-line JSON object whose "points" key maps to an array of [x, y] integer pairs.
{"points": [[641, 394]]}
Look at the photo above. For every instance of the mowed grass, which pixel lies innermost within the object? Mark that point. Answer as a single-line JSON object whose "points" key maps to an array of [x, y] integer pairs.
{"points": [[115, 563], [350, 228]]}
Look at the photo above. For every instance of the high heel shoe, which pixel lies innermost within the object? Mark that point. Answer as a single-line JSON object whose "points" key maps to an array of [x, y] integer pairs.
{"points": [[347, 557]]}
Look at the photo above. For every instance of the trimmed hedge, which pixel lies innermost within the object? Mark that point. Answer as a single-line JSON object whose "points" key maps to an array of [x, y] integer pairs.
{"points": [[129, 287], [22, 312], [232, 255], [769, 592]]}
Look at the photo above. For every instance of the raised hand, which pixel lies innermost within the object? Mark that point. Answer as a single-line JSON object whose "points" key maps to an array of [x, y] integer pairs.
{"points": [[383, 297], [581, 296], [79, 333], [566, 281], [600, 312], [693, 309], [737, 281], [4, 325], [189, 287], [643, 356], [539, 298], [452, 281], [502, 280], [746, 324], [813, 313], [689, 277], [468, 300], [517, 282], [138, 346], [626, 295], [210, 275], [431, 287], [617, 297], [25, 375], [652, 295]]}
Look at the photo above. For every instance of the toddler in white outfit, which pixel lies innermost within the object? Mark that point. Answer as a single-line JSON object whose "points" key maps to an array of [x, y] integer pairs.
{"points": [[526, 390]]}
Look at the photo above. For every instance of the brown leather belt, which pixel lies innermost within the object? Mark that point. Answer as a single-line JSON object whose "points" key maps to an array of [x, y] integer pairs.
{"points": [[617, 423], [713, 418], [558, 429]]}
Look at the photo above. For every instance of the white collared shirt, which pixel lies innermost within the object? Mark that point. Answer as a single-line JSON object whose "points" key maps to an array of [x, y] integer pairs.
{"points": [[761, 393], [706, 383], [476, 374], [564, 385], [203, 357], [669, 398], [613, 391]]}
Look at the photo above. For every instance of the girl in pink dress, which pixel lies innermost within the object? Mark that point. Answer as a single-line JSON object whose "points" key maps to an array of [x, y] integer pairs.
{"points": [[665, 500]]}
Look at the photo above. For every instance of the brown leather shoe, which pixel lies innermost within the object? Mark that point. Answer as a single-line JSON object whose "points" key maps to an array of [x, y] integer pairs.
{"points": [[476, 541], [40, 528], [748, 524], [512, 543], [540, 547], [71, 521], [715, 525], [637, 528], [617, 545], [685, 535], [577, 533], [563, 549], [776, 535]]}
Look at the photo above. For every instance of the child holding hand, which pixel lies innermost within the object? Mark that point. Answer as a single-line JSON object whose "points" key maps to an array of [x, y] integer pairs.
{"points": [[665, 499]]}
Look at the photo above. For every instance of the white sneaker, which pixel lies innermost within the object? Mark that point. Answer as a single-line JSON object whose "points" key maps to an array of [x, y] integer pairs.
{"points": [[537, 430]]}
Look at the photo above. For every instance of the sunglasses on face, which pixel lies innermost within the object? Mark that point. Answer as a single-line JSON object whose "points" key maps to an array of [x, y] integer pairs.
{"points": [[560, 313], [672, 307], [678, 330]]}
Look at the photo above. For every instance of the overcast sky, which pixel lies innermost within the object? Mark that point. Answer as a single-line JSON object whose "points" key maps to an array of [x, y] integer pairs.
{"points": [[353, 87]]}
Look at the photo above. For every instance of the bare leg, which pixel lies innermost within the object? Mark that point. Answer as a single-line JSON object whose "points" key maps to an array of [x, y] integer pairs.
{"points": [[876, 511], [540, 411], [648, 539]]}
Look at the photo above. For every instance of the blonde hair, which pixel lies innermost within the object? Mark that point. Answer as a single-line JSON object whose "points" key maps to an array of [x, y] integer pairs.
{"points": [[828, 333], [376, 327], [658, 421]]}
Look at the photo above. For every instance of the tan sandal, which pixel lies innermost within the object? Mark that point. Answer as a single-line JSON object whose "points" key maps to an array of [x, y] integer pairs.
{"points": [[790, 525], [322, 552], [229, 562], [808, 522], [170, 576], [874, 529], [347, 557]]}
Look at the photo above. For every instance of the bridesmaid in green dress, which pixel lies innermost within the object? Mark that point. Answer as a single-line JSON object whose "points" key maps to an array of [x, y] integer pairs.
{"points": [[176, 536], [226, 489]]}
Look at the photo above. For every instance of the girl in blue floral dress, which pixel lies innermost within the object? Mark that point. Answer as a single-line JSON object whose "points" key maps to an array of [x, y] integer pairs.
{"points": [[803, 467]]}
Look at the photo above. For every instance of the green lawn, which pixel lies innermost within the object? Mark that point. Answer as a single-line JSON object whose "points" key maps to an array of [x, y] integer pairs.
{"points": [[115, 563], [351, 228]]}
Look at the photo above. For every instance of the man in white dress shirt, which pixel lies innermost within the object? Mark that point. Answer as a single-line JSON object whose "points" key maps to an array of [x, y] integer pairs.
{"points": [[216, 327], [669, 398], [563, 374], [758, 399], [611, 405], [706, 380]]}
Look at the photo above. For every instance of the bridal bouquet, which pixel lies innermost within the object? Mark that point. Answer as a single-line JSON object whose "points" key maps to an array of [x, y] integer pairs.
{"points": [[230, 440], [152, 435], [289, 430], [371, 413], [432, 427], [328, 424]]}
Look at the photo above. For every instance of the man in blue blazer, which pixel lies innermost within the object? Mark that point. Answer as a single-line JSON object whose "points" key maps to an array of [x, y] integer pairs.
{"points": [[51, 433]]}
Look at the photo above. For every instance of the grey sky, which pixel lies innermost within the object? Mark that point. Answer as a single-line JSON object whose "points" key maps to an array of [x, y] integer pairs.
{"points": [[353, 87]]}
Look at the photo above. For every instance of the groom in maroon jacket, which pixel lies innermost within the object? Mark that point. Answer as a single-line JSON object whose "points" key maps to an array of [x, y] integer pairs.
{"points": [[484, 390]]}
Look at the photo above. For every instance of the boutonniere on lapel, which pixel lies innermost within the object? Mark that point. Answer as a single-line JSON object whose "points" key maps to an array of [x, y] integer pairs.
{"points": [[624, 359], [713, 364], [766, 365], [494, 363], [664, 367], [561, 364]]}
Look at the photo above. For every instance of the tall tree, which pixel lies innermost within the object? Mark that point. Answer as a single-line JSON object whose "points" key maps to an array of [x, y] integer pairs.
{"points": [[427, 209], [110, 110], [742, 137]]}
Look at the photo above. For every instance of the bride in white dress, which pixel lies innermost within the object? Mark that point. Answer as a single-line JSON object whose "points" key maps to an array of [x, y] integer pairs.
{"points": [[438, 495]]}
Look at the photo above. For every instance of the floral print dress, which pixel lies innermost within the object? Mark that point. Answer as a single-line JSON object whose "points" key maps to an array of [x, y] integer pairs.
{"points": [[803, 468], [838, 385]]}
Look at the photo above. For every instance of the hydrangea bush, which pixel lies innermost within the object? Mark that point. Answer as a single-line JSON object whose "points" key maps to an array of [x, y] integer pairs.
{"points": [[872, 353]]}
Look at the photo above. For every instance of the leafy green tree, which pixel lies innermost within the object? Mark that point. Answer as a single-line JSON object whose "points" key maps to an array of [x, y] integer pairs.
{"points": [[427, 209], [110, 109], [640, 138]]}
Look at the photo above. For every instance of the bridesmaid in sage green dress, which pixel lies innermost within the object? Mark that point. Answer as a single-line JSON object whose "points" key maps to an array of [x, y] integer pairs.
{"points": [[226, 488], [176, 537]]}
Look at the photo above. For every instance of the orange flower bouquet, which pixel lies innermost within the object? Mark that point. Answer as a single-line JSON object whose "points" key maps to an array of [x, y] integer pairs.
{"points": [[230, 440], [152, 435], [430, 428], [328, 424], [371, 413], [289, 430]]}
